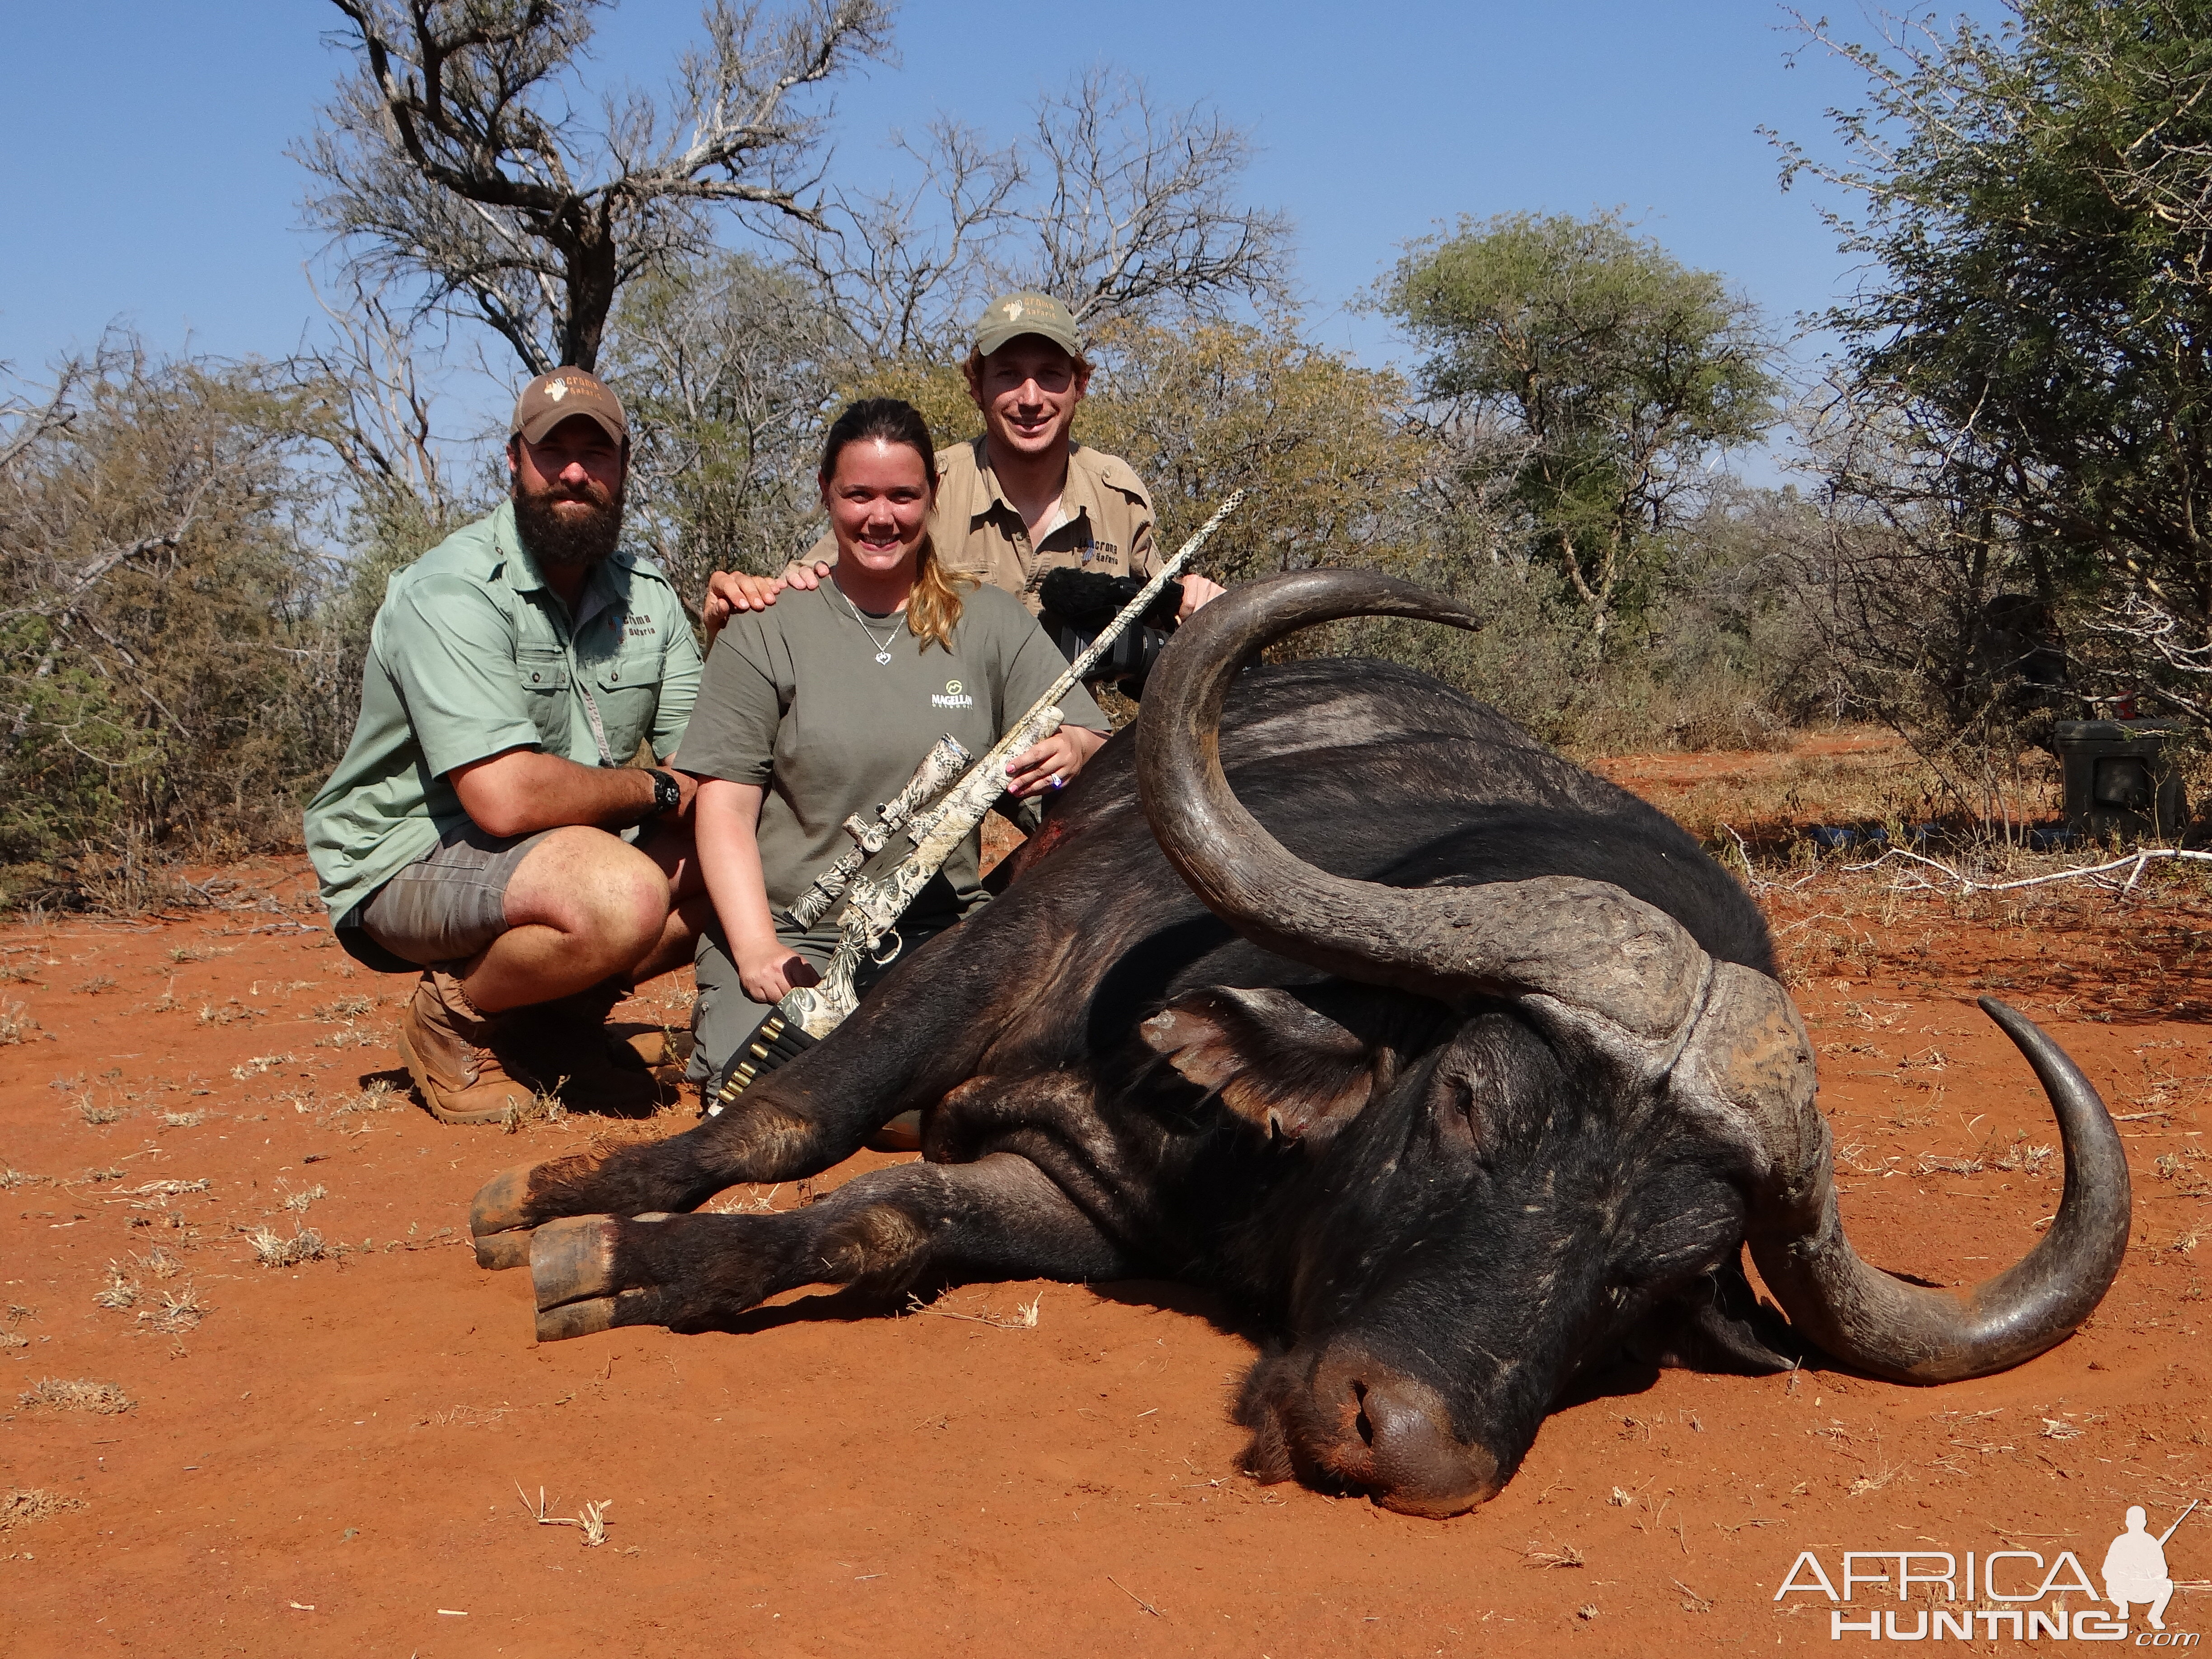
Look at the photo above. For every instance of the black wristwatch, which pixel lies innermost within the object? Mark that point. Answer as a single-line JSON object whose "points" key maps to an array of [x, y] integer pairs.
{"points": [[666, 795]]}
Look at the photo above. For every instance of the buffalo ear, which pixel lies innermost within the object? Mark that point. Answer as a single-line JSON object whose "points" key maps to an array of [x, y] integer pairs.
{"points": [[1276, 1060]]}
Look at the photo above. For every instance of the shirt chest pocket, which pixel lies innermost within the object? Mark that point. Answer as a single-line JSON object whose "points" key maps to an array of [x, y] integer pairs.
{"points": [[544, 672], [627, 692]]}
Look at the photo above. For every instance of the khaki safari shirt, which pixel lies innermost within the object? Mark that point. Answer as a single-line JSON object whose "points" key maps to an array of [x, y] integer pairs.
{"points": [[1105, 523], [795, 700], [471, 655]]}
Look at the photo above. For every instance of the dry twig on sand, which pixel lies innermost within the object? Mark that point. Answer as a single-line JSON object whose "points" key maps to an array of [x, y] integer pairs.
{"points": [[1533, 1554], [1133, 1596], [593, 1520], [2100, 873], [1024, 1317]]}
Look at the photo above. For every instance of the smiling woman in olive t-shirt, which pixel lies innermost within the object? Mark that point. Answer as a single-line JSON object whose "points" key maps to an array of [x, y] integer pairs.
{"points": [[822, 706]]}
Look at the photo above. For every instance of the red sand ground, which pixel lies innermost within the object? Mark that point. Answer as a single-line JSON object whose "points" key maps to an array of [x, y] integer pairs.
{"points": [[327, 1463]]}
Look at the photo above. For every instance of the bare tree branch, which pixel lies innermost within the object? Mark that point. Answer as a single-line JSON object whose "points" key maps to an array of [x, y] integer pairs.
{"points": [[1120, 207], [452, 155], [1137, 208]]}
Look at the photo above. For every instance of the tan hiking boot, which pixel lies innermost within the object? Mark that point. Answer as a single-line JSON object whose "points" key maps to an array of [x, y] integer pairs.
{"points": [[449, 1049], [568, 1041], [665, 1052]]}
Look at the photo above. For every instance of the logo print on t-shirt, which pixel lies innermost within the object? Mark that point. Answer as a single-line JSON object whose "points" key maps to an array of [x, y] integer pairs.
{"points": [[951, 697]]}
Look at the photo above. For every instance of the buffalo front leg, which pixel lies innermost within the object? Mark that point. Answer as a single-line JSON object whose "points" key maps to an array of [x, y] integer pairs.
{"points": [[883, 1232], [762, 1139]]}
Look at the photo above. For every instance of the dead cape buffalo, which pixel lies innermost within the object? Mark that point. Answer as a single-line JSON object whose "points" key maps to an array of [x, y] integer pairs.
{"points": [[1455, 1069]]}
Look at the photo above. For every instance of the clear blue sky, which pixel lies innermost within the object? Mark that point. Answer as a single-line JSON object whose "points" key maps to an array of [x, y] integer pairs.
{"points": [[148, 184]]}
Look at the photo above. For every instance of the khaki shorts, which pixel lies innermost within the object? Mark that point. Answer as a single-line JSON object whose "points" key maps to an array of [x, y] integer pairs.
{"points": [[448, 904]]}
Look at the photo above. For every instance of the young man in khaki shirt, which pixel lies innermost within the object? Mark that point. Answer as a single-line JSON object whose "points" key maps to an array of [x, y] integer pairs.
{"points": [[1022, 500]]}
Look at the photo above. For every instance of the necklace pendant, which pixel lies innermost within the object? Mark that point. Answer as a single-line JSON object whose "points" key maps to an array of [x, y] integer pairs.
{"points": [[883, 656]]}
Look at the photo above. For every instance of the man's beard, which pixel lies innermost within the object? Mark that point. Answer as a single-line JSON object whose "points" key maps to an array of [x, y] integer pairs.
{"points": [[569, 538]]}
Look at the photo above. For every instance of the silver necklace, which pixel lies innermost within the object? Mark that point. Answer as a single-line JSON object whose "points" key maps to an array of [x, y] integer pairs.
{"points": [[883, 645]]}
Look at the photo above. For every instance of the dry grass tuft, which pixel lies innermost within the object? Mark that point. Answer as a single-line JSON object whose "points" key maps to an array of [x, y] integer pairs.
{"points": [[121, 1291], [16, 1024], [306, 1196], [11, 1179], [96, 1115], [272, 1250], [592, 1520], [342, 1112], [54, 1393], [98, 985], [343, 1009], [20, 1503], [544, 1107], [180, 1311], [754, 1202]]}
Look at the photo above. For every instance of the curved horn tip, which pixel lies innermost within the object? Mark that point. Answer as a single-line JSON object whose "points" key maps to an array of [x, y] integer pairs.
{"points": [[1871, 1319]]}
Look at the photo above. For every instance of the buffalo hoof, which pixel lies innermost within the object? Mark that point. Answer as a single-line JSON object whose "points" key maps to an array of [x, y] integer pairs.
{"points": [[576, 1319], [500, 1219], [572, 1270], [498, 1251]]}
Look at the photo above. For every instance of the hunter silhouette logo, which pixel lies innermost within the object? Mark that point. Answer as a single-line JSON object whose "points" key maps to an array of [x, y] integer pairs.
{"points": [[2135, 1567], [555, 390]]}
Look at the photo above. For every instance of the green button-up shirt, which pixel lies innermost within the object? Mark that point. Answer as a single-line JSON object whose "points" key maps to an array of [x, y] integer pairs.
{"points": [[471, 655]]}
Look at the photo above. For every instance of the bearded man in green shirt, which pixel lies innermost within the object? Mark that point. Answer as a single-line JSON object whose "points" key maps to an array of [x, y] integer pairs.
{"points": [[484, 829]]}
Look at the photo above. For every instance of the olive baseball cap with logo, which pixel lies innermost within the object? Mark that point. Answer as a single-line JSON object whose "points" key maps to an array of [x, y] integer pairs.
{"points": [[552, 398], [1012, 315]]}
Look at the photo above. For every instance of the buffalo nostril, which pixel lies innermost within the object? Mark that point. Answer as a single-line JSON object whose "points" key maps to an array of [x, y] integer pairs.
{"points": [[1361, 1422], [1419, 1465]]}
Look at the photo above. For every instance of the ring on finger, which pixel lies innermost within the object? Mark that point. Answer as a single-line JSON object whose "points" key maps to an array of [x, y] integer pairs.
{"points": [[1058, 782]]}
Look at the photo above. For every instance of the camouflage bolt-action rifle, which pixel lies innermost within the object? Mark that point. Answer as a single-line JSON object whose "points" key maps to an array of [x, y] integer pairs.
{"points": [[874, 904]]}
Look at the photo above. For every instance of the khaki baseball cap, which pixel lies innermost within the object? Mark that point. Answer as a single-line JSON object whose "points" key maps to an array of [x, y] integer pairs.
{"points": [[1012, 315], [552, 398]]}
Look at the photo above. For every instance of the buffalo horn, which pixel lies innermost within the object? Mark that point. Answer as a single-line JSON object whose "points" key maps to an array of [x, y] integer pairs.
{"points": [[1616, 967], [1866, 1317]]}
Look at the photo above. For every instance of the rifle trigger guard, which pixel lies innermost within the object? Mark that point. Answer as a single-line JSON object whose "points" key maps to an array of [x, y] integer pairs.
{"points": [[887, 949]]}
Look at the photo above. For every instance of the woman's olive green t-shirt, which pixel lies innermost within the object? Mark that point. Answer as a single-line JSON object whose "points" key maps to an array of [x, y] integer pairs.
{"points": [[795, 700]]}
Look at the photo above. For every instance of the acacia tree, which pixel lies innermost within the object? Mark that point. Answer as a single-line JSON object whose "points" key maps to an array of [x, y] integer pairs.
{"points": [[2035, 207], [1618, 370], [452, 155]]}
